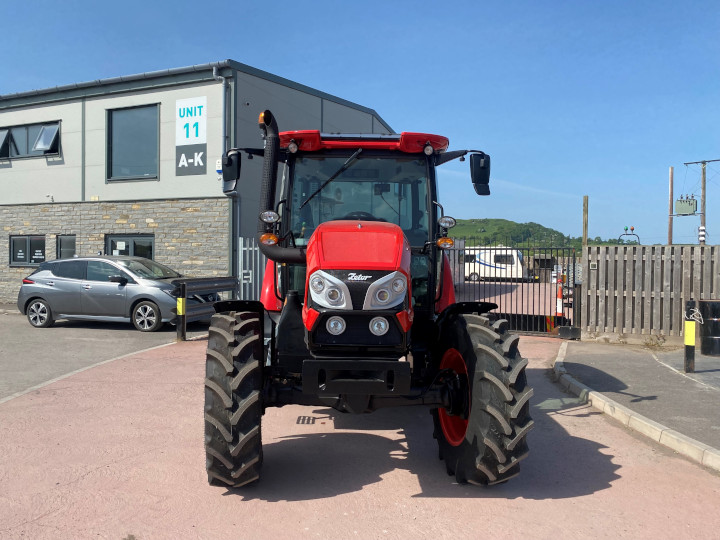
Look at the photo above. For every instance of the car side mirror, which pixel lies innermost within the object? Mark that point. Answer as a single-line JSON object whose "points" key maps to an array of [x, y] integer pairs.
{"points": [[480, 173], [122, 280], [231, 164]]}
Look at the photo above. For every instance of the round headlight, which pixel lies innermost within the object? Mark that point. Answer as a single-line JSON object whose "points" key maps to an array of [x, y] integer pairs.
{"points": [[333, 295], [379, 326], [269, 216], [335, 325], [317, 284], [382, 296], [428, 149], [447, 222], [398, 285], [292, 147]]}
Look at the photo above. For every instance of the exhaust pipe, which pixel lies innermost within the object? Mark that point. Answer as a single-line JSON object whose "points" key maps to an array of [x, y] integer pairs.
{"points": [[269, 127]]}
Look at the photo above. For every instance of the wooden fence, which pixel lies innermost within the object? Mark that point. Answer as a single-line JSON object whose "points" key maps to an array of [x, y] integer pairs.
{"points": [[642, 290]]}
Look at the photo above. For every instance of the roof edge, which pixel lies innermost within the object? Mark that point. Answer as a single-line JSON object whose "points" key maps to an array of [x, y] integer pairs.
{"points": [[197, 68]]}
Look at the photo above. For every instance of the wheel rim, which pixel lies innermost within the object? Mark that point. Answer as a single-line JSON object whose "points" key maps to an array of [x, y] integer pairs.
{"points": [[145, 317], [474, 277], [38, 314], [454, 427]]}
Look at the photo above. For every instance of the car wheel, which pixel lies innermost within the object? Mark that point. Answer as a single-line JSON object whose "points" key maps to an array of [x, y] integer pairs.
{"points": [[39, 314], [146, 317]]}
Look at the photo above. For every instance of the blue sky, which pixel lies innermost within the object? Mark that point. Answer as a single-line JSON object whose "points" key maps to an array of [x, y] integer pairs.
{"points": [[570, 98]]}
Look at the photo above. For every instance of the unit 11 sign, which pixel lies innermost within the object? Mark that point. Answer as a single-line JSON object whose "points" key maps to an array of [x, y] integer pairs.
{"points": [[191, 136]]}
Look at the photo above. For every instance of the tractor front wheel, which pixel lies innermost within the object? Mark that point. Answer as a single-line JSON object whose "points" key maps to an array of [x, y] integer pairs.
{"points": [[482, 435], [233, 399]]}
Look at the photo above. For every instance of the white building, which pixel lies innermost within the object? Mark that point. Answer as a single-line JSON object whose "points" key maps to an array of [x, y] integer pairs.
{"points": [[127, 165]]}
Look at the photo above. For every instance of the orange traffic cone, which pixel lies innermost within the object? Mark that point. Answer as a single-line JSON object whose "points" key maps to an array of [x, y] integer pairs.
{"points": [[559, 304]]}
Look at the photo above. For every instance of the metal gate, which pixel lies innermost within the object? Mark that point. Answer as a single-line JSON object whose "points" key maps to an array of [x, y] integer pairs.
{"points": [[534, 287], [252, 269]]}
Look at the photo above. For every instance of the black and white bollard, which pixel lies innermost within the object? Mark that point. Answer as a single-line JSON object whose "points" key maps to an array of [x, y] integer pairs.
{"points": [[689, 331]]}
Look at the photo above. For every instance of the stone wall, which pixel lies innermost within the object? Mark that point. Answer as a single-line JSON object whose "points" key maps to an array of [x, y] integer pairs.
{"points": [[191, 235]]}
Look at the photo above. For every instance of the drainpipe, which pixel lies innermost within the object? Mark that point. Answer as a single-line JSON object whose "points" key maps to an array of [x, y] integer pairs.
{"points": [[219, 78], [235, 201]]}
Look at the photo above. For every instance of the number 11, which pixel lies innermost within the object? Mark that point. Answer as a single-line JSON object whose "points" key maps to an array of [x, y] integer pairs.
{"points": [[187, 130]]}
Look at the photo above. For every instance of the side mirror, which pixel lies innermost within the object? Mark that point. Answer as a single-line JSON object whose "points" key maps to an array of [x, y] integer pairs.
{"points": [[480, 173], [122, 280], [231, 171]]}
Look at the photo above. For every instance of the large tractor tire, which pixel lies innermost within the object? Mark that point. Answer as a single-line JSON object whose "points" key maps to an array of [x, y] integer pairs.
{"points": [[483, 439], [233, 399]]}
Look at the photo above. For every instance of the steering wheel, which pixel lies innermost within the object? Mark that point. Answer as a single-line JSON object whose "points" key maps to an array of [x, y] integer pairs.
{"points": [[362, 216]]}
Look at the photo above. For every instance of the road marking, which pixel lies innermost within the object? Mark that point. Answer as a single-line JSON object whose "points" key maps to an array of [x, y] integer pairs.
{"points": [[61, 377], [682, 373]]}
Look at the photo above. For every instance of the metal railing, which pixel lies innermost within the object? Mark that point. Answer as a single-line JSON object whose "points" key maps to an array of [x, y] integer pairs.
{"points": [[251, 269], [188, 289]]}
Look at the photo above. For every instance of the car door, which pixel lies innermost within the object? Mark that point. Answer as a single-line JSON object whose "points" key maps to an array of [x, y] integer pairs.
{"points": [[100, 296], [66, 295]]}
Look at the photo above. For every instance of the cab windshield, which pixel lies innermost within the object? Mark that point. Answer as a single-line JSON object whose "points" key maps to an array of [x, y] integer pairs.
{"points": [[370, 188]]}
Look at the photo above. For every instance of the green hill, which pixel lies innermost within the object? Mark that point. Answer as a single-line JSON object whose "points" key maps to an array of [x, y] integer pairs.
{"points": [[487, 232]]}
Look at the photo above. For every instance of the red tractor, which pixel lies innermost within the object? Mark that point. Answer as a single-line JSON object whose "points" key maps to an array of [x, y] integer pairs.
{"points": [[358, 308]]}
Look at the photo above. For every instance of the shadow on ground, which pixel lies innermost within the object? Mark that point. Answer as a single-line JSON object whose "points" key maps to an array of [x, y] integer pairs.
{"points": [[600, 381], [324, 465]]}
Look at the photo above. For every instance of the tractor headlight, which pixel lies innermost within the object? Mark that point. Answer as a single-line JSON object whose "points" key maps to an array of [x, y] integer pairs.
{"points": [[335, 325], [317, 284], [329, 291], [379, 326], [386, 292], [334, 295], [382, 296]]}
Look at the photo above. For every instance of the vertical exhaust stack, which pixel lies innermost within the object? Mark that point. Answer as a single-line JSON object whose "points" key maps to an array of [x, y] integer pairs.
{"points": [[269, 128]]}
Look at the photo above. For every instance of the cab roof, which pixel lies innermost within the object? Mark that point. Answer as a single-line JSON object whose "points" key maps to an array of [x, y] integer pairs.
{"points": [[409, 142]]}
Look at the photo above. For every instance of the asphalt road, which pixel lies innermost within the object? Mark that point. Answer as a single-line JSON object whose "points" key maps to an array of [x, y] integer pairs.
{"points": [[32, 356], [117, 452]]}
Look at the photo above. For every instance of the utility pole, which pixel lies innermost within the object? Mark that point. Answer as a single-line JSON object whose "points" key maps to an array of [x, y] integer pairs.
{"points": [[670, 209], [585, 223], [702, 204], [703, 163]]}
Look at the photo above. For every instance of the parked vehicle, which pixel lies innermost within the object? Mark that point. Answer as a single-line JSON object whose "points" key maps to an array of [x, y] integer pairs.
{"points": [[358, 308], [494, 264], [102, 288]]}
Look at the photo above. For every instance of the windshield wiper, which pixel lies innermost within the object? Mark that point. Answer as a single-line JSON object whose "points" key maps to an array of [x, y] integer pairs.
{"points": [[341, 170]]}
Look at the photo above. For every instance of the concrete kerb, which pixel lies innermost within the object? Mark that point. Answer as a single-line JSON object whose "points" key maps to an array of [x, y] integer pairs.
{"points": [[690, 448]]}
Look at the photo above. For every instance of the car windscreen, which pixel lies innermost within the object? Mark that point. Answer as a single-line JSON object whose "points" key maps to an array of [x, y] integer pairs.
{"points": [[149, 269]]}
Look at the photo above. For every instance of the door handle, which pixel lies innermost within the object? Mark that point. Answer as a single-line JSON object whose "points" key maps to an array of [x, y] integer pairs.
{"points": [[50, 283], [87, 287]]}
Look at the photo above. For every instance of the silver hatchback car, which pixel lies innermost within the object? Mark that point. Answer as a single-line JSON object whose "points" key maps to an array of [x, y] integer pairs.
{"points": [[102, 288]]}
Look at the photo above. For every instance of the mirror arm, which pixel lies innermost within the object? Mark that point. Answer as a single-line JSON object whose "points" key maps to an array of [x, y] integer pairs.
{"points": [[449, 156]]}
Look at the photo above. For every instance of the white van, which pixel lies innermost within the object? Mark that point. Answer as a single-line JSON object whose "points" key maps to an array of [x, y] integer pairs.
{"points": [[494, 264]]}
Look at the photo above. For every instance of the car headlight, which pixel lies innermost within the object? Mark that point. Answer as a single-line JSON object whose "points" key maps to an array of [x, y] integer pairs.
{"points": [[328, 291], [172, 292], [386, 292]]}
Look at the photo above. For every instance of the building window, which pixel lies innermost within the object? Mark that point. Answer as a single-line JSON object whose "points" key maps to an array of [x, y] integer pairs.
{"points": [[132, 143], [65, 246], [27, 250], [140, 245], [30, 140]]}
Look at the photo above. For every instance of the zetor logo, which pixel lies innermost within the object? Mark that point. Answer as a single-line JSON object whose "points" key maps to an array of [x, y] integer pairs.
{"points": [[352, 276]]}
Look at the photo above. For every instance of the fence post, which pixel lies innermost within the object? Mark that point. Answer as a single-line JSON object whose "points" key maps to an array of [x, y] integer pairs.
{"points": [[180, 321]]}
